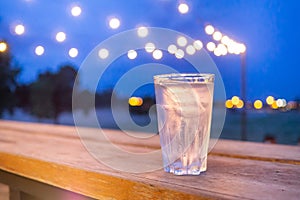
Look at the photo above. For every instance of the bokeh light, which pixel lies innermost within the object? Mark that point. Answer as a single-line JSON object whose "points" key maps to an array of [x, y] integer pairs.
{"points": [[114, 23], [242, 48], [258, 104], [198, 45], [142, 31], [149, 47], [225, 40], [39, 50], [240, 104], [19, 29], [172, 49], [60, 37], [3, 46], [217, 36], [73, 52], [270, 100], [274, 105], [235, 100], [179, 53], [131, 54], [183, 8], [75, 11], [228, 104], [157, 54], [181, 41], [209, 29], [103, 53], [211, 46], [190, 50], [135, 101]]}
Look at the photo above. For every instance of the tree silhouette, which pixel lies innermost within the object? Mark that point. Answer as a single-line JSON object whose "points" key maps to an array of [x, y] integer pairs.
{"points": [[8, 83]]}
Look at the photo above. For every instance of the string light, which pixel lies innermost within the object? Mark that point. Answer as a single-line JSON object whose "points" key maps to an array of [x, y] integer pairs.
{"points": [[60, 37], [114, 23], [149, 47], [209, 29], [103, 53], [211, 46], [172, 49], [73, 52], [142, 31], [198, 45], [183, 8], [181, 41], [157, 54], [39, 50], [131, 54]]}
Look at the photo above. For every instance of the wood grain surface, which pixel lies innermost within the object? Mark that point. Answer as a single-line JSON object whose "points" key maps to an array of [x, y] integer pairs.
{"points": [[56, 155]]}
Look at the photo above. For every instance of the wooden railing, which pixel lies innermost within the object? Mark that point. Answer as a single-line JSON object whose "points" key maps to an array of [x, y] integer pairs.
{"points": [[39, 161]]}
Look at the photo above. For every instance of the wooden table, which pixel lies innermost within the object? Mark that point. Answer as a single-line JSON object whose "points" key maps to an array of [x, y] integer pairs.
{"points": [[39, 161]]}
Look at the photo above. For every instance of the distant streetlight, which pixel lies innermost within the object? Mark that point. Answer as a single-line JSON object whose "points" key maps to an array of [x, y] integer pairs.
{"points": [[226, 46]]}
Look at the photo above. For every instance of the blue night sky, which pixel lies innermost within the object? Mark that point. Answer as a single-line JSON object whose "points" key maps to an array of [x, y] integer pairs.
{"points": [[270, 30]]}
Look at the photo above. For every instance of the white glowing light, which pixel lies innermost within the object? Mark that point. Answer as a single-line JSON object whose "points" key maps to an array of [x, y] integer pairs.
{"points": [[3, 46], [181, 41], [142, 31], [198, 45], [149, 47], [19, 29], [76, 11], [217, 52], [183, 8], [172, 49], [222, 48], [225, 40], [114, 23], [179, 53], [157, 54], [73, 52], [209, 29], [39, 50], [279, 103], [60, 36], [190, 49], [131, 54], [217, 36], [211, 46], [242, 48], [103, 53]]}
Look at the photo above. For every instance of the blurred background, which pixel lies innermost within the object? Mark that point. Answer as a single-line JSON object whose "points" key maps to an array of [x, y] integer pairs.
{"points": [[253, 43]]}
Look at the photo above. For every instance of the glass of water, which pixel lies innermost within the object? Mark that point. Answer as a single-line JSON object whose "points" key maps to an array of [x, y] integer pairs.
{"points": [[184, 109]]}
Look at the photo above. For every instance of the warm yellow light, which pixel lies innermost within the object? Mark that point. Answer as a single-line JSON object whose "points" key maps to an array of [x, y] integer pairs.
{"points": [[209, 29], [183, 8], [181, 41], [73, 52], [157, 54], [114, 23], [211, 46], [135, 101], [240, 104], [76, 11], [103, 53], [228, 104], [3, 46], [258, 104], [131, 54], [149, 47], [270, 100], [142, 31], [198, 45], [190, 50], [217, 36], [274, 105], [222, 48], [39, 50], [60, 37], [172, 49], [235, 100], [19, 29]]}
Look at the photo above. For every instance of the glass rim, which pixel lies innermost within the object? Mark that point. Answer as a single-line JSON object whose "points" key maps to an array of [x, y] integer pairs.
{"points": [[184, 77]]}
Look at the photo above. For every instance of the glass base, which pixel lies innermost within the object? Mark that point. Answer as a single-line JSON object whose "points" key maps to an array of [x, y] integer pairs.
{"points": [[177, 169]]}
